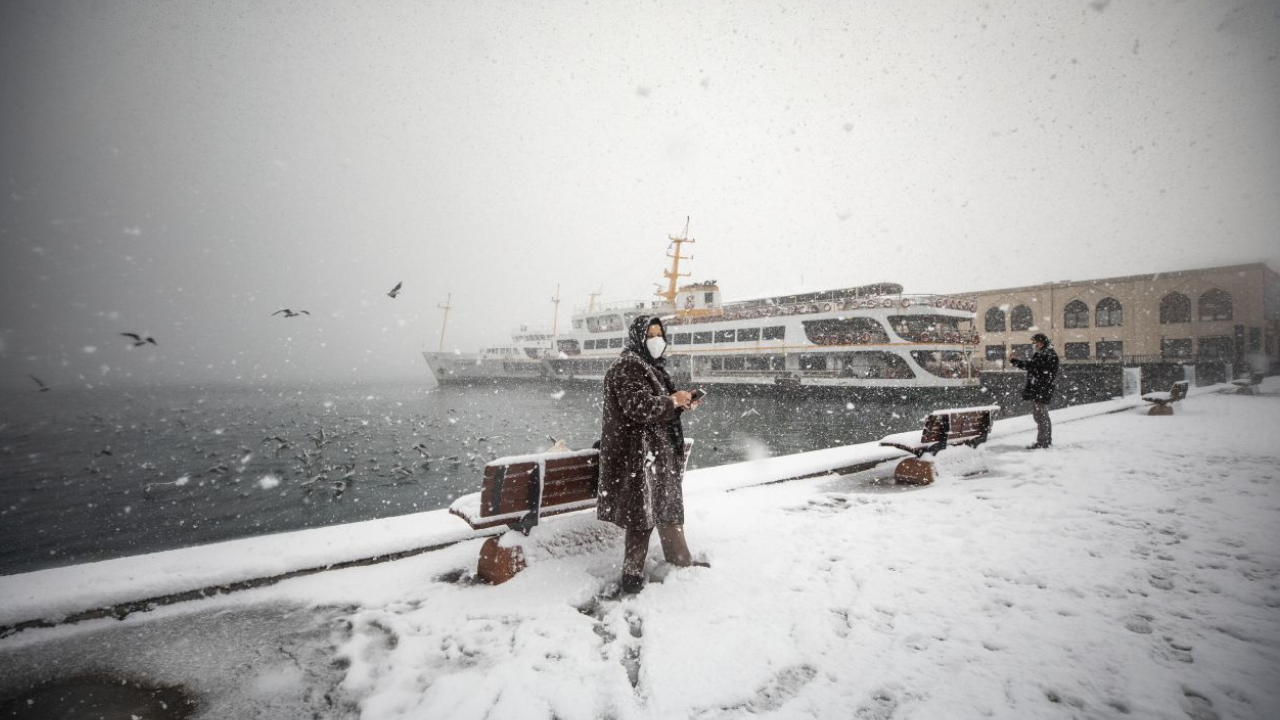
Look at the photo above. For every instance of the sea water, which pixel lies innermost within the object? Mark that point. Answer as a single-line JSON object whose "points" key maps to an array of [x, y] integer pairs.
{"points": [[95, 473]]}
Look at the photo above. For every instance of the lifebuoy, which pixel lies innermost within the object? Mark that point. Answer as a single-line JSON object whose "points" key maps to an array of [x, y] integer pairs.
{"points": [[906, 302], [887, 303], [939, 303], [826, 307]]}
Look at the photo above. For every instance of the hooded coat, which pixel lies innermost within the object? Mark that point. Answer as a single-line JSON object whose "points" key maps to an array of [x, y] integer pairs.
{"points": [[641, 440], [1042, 371]]}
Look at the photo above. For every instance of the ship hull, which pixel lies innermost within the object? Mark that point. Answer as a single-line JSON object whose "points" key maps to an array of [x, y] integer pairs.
{"points": [[471, 368]]}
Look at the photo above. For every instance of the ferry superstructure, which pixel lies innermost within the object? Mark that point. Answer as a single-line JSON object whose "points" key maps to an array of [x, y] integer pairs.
{"points": [[870, 336]]}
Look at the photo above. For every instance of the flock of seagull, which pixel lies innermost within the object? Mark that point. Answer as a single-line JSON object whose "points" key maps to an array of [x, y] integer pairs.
{"points": [[139, 340], [314, 470]]}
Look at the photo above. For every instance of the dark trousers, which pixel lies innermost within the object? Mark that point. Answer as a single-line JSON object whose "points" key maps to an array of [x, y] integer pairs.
{"points": [[1044, 428], [674, 548]]}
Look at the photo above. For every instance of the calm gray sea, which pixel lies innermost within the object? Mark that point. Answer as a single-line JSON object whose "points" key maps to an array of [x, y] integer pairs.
{"points": [[91, 474]]}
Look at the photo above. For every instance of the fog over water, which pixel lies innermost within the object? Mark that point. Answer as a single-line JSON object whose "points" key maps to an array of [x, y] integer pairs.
{"points": [[184, 170]]}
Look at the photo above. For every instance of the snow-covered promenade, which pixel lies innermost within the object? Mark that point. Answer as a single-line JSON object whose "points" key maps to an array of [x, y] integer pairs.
{"points": [[1131, 571]]}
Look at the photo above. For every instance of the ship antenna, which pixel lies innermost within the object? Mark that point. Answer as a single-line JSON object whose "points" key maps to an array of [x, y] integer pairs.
{"points": [[555, 319], [591, 303], [444, 307], [673, 275]]}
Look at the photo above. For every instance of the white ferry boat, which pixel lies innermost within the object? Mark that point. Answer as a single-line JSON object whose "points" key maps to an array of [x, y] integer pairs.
{"points": [[872, 337], [524, 358]]}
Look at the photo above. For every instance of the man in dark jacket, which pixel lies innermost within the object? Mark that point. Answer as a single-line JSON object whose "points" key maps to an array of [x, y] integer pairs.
{"points": [[1042, 371], [642, 452]]}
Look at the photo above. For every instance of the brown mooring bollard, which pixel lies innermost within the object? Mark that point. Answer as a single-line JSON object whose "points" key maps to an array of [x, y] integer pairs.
{"points": [[913, 471], [499, 564]]}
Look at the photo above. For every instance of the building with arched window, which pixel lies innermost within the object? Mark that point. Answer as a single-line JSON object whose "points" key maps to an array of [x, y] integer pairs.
{"points": [[1225, 314]]}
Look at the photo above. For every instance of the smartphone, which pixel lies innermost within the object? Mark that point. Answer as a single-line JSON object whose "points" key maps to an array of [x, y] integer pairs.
{"points": [[699, 394]]}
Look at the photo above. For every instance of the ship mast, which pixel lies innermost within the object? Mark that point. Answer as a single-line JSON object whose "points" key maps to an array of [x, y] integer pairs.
{"points": [[591, 303], [673, 275], [555, 319], [444, 307]]}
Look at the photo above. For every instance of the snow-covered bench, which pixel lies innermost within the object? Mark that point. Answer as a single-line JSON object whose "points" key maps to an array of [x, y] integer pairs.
{"points": [[1162, 402], [1245, 386], [942, 428], [518, 491]]}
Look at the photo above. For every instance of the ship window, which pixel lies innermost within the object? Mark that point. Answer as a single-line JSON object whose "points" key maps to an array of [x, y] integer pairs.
{"points": [[604, 323], [1076, 351], [949, 364], [757, 362], [717, 363], [778, 362], [845, 331], [709, 298], [681, 338], [1020, 351], [589, 344], [615, 342], [995, 352], [871, 366], [777, 332], [568, 347], [702, 338], [926, 328], [1180, 348], [724, 336], [734, 363], [813, 362], [748, 334]]}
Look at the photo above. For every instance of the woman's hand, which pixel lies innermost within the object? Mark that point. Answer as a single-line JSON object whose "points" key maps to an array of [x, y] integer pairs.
{"points": [[682, 398]]}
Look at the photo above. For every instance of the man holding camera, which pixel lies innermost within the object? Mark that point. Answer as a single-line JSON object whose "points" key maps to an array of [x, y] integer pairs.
{"points": [[1042, 371]]}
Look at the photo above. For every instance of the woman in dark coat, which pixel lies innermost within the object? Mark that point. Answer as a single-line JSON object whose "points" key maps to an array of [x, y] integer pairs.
{"points": [[642, 451]]}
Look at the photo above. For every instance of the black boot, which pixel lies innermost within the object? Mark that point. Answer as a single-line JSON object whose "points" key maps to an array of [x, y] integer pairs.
{"points": [[632, 584]]}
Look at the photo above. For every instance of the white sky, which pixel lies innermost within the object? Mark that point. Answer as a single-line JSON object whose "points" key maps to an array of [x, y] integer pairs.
{"points": [[185, 169]]}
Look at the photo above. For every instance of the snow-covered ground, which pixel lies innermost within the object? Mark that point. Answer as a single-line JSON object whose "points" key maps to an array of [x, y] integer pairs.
{"points": [[1131, 571]]}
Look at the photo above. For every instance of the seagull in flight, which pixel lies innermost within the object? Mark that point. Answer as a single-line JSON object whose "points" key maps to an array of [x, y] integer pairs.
{"points": [[139, 340], [43, 387], [395, 290], [289, 313]]}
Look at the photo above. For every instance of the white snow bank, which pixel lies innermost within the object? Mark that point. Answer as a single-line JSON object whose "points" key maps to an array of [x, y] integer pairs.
{"points": [[1130, 571], [56, 593]]}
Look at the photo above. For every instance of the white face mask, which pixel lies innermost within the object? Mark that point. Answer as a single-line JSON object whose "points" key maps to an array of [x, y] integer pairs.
{"points": [[656, 346]]}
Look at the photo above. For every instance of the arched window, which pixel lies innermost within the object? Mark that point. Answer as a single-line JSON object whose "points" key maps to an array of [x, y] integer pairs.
{"points": [[1110, 313], [1175, 308], [1076, 315], [995, 320], [1215, 305], [1021, 318]]}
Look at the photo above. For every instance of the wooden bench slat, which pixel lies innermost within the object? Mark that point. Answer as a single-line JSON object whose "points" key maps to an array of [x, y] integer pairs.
{"points": [[553, 482], [942, 428]]}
